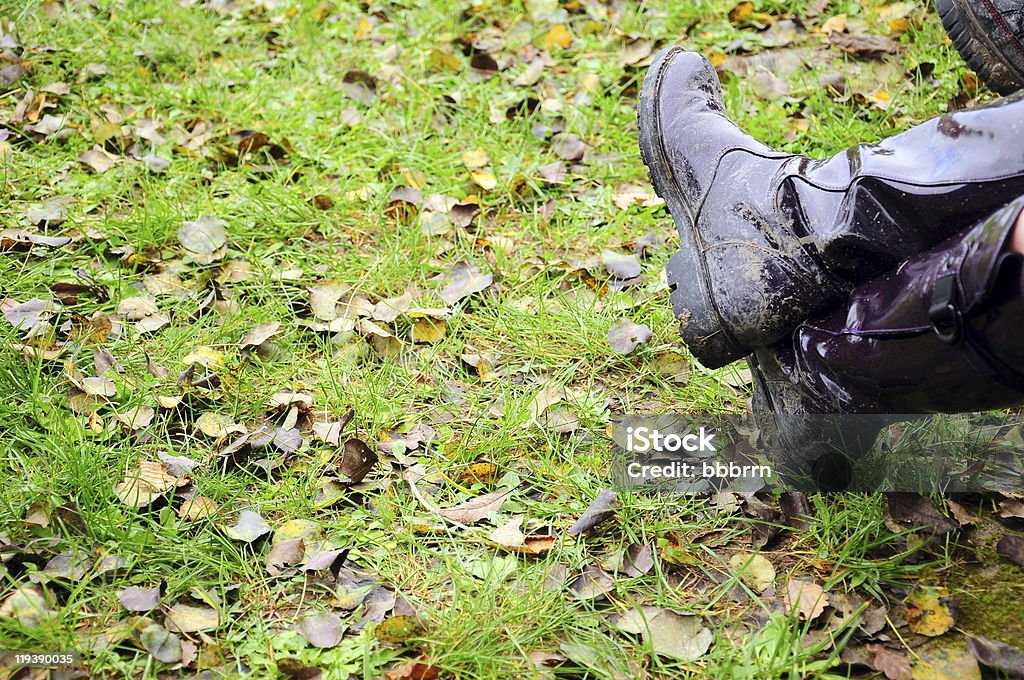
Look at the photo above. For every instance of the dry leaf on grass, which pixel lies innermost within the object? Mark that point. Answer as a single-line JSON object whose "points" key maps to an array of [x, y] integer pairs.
{"points": [[807, 598], [669, 633], [475, 509], [625, 335]]}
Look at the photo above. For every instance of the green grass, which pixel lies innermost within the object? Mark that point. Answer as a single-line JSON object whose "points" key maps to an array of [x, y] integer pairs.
{"points": [[277, 68]]}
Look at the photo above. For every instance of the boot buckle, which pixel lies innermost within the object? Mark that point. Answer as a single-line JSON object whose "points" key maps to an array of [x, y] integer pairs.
{"points": [[945, 316]]}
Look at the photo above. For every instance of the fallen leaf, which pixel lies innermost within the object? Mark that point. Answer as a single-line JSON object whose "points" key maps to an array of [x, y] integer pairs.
{"points": [[998, 656], [28, 605], [156, 164], [249, 527], [624, 336], [197, 508], [557, 36], [807, 598], [945, 663], [894, 665], [484, 179], [913, 511], [420, 668], [600, 510], [136, 599], [864, 46], [260, 334], [768, 86], [204, 238], [679, 636], [568, 146], [621, 266], [357, 460], [71, 565], [754, 569], [285, 553], [428, 331], [98, 159], [475, 509], [162, 644], [629, 195], [463, 281], [27, 315], [475, 158], [323, 630], [594, 582], [103, 387], [142, 487], [1011, 508], [398, 629], [47, 125], [930, 611], [1012, 548], [546, 397], [217, 425], [509, 535], [183, 618]]}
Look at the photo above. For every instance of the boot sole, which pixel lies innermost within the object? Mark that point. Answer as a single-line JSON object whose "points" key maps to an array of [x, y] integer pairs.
{"points": [[975, 45], [701, 326]]}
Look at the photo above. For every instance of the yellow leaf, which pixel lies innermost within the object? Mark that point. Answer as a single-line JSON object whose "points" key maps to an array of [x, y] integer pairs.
{"points": [[479, 472], [716, 57], [197, 508], [206, 356], [900, 25], [929, 611], [397, 629], [741, 12], [558, 35], [475, 158], [444, 61], [364, 29], [428, 331], [484, 179]]}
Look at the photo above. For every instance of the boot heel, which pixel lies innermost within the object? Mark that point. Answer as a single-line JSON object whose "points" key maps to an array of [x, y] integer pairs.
{"points": [[699, 323]]}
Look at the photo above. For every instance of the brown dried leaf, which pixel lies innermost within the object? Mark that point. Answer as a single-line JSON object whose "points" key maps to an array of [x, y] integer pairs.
{"points": [[864, 46], [98, 159], [475, 509], [807, 597]]}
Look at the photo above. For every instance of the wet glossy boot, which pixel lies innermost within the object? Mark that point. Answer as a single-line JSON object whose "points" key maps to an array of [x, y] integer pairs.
{"points": [[989, 34], [939, 334], [769, 238]]}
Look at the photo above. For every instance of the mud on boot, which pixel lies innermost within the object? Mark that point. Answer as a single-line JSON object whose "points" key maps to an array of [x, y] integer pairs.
{"points": [[769, 238]]}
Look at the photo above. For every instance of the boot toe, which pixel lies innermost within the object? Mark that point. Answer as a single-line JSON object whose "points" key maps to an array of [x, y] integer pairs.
{"points": [[685, 80]]}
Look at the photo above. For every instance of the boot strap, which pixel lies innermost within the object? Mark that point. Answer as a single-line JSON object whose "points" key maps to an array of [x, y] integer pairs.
{"points": [[945, 316], [947, 321]]}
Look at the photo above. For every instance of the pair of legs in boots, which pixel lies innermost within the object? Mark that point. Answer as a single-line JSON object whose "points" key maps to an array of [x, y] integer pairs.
{"points": [[884, 280]]}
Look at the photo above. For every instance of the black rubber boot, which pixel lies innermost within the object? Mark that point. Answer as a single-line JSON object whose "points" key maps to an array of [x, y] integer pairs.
{"points": [[939, 334], [989, 34], [769, 238]]}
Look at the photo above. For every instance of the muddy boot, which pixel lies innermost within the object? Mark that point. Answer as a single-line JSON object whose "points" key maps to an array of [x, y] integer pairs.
{"points": [[769, 238], [939, 334], [989, 34]]}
